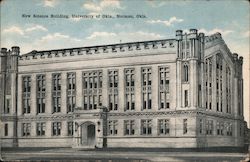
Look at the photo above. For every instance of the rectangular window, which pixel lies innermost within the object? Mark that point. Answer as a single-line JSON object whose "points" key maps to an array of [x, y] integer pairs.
{"points": [[26, 129], [146, 127], [56, 92], [113, 127], [92, 84], [201, 126], [41, 91], [186, 98], [113, 89], [56, 128], [26, 94], [163, 126], [185, 130], [129, 88], [129, 127], [40, 129], [7, 106], [70, 129], [209, 127], [6, 129], [71, 91]]}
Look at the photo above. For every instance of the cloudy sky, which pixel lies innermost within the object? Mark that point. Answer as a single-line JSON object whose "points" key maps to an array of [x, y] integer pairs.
{"points": [[163, 18]]}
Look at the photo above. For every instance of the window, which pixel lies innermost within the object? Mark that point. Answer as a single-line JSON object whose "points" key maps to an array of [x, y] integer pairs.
{"points": [[164, 87], [70, 129], [146, 89], [186, 98], [26, 129], [146, 127], [201, 126], [209, 127], [92, 84], [41, 91], [56, 92], [129, 127], [40, 129], [163, 126], [186, 73], [129, 89], [185, 130], [112, 127], [229, 129], [26, 94], [56, 128], [71, 91], [113, 89], [6, 129], [220, 128], [7, 106]]}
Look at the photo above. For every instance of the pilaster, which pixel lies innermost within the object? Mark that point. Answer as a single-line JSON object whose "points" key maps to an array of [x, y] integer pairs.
{"points": [[48, 95], [138, 89], [178, 84], [121, 92], [64, 93], [79, 93], [33, 100], [105, 98], [154, 88]]}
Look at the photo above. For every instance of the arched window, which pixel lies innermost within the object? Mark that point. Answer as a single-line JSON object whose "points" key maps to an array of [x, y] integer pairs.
{"points": [[185, 68]]}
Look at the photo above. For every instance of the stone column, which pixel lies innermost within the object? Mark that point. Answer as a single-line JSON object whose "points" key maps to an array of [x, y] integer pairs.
{"points": [[19, 95], [214, 96], [154, 89], [105, 98], [64, 93], [193, 83], [178, 84], [48, 95], [33, 105], [235, 96], [121, 90], [138, 89], [79, 93]]}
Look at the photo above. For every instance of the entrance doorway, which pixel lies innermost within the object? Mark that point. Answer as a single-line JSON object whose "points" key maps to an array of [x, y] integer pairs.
{"points": [[88, 134]]}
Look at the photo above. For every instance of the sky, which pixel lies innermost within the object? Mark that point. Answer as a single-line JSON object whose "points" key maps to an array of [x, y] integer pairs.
{"points": [[158, 19]]}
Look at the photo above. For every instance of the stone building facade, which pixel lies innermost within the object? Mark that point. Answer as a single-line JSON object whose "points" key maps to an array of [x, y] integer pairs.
{"points": [[185, 92]]}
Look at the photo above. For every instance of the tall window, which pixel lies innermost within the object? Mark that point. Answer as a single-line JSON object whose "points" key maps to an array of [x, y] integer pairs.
{"points": [[56, 92], [129, 89], [7, 106], [164, 87], [163, 126], [71, 91], [40, 79], [201, 126], [185, 128], [129, 127], [146, 87], [220, 128], [6, 129], [228, 90], [92, 89], [70, 129], [113, 89], [26, 129], [113, 127], [229, 129], [56, 128], [186, 98], [146, 127], [40, 129], [26, 94], [209, 127], [186, 73]]}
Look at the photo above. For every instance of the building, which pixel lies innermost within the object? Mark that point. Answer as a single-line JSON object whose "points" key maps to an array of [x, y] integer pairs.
{"points": [[185, 92]]}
